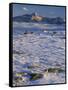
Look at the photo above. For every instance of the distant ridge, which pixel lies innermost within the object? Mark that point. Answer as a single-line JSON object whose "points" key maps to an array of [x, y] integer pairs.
{"points": [[36, 18]]}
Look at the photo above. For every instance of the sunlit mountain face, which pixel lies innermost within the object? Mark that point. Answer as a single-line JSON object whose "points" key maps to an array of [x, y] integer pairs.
{"points": [[38, 45]]}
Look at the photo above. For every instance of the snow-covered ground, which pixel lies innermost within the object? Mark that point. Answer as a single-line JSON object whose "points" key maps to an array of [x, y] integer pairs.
{"points": [[36, 52]]}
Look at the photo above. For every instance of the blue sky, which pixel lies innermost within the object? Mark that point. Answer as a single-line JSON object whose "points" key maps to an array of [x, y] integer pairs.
{"points": [[47, 11]]}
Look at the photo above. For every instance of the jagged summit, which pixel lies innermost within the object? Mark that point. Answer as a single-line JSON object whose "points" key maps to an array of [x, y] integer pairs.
{"points": [[34, 14]]}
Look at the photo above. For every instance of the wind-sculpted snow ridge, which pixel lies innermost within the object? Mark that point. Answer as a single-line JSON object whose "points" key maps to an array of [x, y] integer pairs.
{"points": [[37, 25], [38, 58]]}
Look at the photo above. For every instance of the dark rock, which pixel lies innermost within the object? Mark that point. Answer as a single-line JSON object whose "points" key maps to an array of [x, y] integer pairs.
{"points": [[53, 70], [35, 76]]}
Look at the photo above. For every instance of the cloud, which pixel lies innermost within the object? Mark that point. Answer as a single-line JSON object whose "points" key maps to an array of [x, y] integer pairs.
{"points": [[24, 8]]}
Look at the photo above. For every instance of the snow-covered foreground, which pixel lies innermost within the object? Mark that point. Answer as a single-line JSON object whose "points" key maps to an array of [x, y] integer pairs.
{"points": [[38, 58]]}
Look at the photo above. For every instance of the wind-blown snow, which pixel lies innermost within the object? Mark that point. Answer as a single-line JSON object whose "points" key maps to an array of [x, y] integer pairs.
{"points": [[37, 25], [41, 50]]}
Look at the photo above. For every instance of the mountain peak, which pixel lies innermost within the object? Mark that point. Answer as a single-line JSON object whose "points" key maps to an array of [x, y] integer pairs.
{"points": [[34, 17], [34, 14]]}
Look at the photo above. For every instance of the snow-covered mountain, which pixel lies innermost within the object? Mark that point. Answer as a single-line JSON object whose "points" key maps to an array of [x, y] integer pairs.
{"points": [[40, 19]]}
